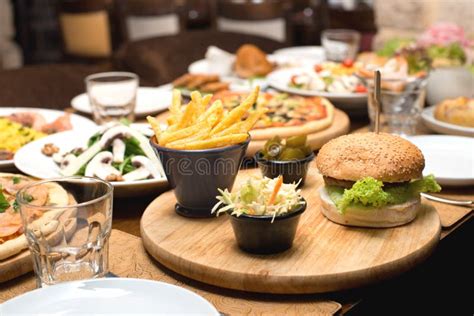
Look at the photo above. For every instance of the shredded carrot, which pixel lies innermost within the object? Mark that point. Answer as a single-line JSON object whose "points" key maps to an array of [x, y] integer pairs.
{"points": [[277, 187]]}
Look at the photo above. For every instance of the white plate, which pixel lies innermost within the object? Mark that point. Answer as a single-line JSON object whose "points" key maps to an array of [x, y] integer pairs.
{"points": [[31, 161], [149, 101], [279, 79], [443, 127], [114, 296], [203, 66], [313, 53], [449, 158], [78, 123]]}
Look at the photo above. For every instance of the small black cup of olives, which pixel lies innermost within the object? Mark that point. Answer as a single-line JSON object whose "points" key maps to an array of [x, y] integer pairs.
{"points": [[289, 158]]}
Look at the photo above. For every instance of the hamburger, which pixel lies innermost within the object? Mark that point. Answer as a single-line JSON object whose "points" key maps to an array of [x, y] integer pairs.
{"points": [[372, 180]]}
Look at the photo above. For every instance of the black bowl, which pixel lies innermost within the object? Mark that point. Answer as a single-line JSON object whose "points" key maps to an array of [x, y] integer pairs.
{"points": [[259, 235], [291, 170], [195, 175]]}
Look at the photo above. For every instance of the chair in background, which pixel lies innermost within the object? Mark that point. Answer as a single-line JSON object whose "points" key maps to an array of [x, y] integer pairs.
{"points": [[149, 18], [266, 18], [91, 29]]}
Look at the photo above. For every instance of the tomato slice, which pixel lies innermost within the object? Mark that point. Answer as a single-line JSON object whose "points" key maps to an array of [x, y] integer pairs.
{"points": [[360, 89], [318, 68], [348, 62]]}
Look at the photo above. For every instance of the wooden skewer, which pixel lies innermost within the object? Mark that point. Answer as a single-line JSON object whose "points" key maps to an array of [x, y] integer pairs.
{"points": [[378, 100]]}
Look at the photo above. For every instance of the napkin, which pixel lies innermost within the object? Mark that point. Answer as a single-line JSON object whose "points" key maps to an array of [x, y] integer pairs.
{"points": [[220, 61]]}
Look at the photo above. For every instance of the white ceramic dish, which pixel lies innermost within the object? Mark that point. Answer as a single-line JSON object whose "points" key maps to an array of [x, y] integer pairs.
{"points": [[111, 296], [314, 53], [78, 123], [149, 101], [449, 83], [442, 127], [449, 158], [204, 66], [279, 79], [31, 161]]}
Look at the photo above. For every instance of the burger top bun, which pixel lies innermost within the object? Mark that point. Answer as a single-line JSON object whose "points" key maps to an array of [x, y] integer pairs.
{"points": [[385, 157]]}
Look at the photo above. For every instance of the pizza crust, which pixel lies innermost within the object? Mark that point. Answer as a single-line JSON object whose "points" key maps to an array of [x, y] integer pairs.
{"points": [[305, 129]]}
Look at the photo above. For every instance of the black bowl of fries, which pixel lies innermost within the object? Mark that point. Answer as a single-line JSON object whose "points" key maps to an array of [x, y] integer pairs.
{"points": [[195, 175], [202, 149]]}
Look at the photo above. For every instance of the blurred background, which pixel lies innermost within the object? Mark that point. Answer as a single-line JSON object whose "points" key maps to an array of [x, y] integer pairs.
{"points": [[62, 41], [52, 31]]}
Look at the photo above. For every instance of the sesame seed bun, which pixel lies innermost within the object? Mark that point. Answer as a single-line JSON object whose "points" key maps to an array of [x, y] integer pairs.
{"points": [[388, 216], [385, 157]]}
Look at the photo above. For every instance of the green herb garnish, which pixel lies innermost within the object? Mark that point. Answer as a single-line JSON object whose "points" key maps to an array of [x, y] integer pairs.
{"points": [[28, 198], [16, 206], [3, 202], [16, 180]]}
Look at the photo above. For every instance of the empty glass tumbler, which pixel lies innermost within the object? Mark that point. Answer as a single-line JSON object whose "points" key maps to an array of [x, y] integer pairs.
{"points": [[112, 95], [67, 224], [401, 110]]}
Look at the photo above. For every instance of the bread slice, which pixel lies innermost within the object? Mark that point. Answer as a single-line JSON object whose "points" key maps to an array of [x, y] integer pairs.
{"points": [[388, 216]]}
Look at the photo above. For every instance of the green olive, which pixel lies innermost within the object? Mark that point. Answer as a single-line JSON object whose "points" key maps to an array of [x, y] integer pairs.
{"points": [[296, 141], [272, 148], [307, 150], [292, 154]]}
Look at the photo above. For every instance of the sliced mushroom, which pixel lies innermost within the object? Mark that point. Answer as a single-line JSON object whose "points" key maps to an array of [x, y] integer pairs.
{"points": [[137, 174], [67, 160], [101, 166], [118, 149], [121, 131], [145, 169], [59, 157], [81, 160]]}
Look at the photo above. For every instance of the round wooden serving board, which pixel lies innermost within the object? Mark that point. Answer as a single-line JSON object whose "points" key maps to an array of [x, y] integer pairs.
{"points": [[15, 266], [324, 257], [339, 126]]}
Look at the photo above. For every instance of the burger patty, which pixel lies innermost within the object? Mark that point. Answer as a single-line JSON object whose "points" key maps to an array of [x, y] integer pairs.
{"points": [[348, 184]]}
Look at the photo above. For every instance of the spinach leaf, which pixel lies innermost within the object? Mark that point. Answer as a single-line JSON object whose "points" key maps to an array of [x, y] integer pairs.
{"points": [[132, 147], [126, 166], [93, 139], [82, 170]]}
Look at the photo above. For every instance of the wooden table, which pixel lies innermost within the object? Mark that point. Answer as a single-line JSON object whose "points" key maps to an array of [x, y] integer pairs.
{"points": [[136, 263]]}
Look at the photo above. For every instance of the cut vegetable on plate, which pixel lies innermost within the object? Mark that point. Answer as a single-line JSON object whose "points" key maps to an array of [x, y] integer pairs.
{"points": [[132, 167], [115, 153], [20, 126]]}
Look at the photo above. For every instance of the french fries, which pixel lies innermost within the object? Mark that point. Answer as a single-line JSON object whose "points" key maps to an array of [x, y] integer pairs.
{"points": [[213, 142], [237, 113], [200, 126], [155, 125]]}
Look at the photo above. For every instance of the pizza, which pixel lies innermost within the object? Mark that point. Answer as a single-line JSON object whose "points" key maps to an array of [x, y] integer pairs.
{"points": [[287, 115], [12, 239]]}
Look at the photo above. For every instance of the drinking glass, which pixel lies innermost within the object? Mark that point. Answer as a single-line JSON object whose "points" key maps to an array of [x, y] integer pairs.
{"points": [[400, 111], [67, 223], [340, 44], [112, 95]]}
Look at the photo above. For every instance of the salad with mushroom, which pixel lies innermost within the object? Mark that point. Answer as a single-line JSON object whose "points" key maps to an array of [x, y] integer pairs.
{"points": [[329, 77], [116, 152]]}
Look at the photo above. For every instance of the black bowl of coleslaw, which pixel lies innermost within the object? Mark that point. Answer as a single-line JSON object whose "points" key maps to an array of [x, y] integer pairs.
{"points": [[267, 234]]}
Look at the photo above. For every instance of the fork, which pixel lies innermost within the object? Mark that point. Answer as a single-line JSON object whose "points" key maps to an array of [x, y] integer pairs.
{"points": [[468, 203]]}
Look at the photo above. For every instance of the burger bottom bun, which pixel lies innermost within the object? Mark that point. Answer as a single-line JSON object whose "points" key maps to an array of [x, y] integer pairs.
{"points": [[388, 216]]}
